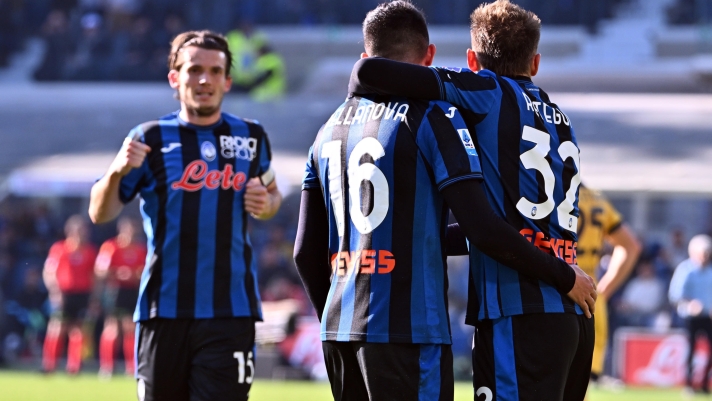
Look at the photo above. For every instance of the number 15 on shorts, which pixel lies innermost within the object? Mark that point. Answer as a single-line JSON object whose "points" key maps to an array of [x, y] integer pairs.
{"points": [[241, 362]]}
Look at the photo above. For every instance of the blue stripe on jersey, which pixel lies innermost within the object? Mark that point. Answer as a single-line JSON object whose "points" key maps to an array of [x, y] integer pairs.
{"points": [[509, 284], [348, 295], [552, 298], [205, 273], [505, 371], [429, 382], [149, 207], [379, 308], [173, 163]]}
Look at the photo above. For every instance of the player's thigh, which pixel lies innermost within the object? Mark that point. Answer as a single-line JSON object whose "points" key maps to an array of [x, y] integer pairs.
{"points": [[601, 329], [406, 371], [223, 364], [524, 357], [163, 360], [580, 369], [344, 372]]}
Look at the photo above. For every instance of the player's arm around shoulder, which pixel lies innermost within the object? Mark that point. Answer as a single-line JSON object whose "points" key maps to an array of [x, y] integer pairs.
{"points": [[105, 203]]}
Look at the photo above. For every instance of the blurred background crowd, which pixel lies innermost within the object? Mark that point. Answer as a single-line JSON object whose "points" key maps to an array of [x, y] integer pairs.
{"points": [[125, 40]]}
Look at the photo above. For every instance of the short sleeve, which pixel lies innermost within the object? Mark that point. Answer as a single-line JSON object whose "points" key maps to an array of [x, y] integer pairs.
{"points": [[463, 88], [447, 145], [311, 175], [612, 219], [132, 183]]}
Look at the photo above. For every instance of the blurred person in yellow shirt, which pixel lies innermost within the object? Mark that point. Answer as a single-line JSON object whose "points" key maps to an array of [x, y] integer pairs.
{"points": [[600, 222]]}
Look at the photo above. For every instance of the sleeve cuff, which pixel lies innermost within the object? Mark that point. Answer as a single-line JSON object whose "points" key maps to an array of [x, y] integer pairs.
{"points": [[471, 176]]}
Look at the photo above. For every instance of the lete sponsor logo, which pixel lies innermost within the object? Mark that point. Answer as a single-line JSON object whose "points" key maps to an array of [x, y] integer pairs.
{"points": [[196, 176]]}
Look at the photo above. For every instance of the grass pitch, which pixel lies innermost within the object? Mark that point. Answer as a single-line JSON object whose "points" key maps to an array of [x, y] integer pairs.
{"points": [[29, 386]]}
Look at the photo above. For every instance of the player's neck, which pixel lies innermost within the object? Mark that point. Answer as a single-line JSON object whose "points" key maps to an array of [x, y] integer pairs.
{"points": [[195, 119]]}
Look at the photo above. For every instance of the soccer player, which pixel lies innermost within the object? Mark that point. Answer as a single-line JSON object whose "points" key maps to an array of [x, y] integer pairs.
{"points": [[199, 172], [532, 341], [370, 244], [69, 276], [599, 221], [118, 271]]}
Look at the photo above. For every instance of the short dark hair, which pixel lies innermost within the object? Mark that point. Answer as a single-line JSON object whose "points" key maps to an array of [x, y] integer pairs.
{"points": [[205, 40], [396, 30], [505, 37]]}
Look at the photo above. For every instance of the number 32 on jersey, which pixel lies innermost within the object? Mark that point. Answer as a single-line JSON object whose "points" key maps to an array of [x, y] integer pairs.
{"points": [[535, 158]]}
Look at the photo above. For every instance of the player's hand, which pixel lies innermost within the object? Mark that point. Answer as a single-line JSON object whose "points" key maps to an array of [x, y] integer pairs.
{"points": [[694, 308], [131, 155], [584, 292], [256, 197]]}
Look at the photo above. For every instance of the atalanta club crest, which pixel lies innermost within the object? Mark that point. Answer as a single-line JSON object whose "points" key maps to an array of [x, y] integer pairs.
{"points": [[207, 149]]}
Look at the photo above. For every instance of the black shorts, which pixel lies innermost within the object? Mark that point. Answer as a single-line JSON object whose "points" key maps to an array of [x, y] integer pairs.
{"points": [[533, 357], [125, 302], [375, 371], [74, 306], [195, 359]]}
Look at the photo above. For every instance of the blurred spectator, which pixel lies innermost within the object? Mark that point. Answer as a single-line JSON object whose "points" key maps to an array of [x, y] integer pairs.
{"points": [[678, 249], [269, 79], [244, 43], [90, 60], [697, 303], [643, 297], [135, 59], [118, 270], [58, 42], [700, 252], [26, 312], [68, 275]]}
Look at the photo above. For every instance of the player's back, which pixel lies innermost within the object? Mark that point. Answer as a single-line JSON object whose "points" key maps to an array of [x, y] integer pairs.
{"points": [[380, 163], [530, 162], [597, 218]]}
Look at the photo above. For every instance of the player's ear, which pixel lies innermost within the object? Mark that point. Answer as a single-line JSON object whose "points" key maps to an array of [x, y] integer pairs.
{"points": [[429, 55], [364, 55], [534, 68], [472, 63], [228, 83], [173, 79]]}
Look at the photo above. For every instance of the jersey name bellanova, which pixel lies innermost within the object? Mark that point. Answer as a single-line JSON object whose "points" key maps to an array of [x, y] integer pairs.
{"points": [[369, 112]]}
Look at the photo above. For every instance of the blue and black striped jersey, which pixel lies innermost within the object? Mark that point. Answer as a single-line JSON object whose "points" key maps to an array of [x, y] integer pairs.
{"points": [[200, 262], [381, 164], [530, 163]]}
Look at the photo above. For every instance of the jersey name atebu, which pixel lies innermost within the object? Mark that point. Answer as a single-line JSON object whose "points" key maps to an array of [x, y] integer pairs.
{"points": [[372, 111], [238, 147], [546, 112]]}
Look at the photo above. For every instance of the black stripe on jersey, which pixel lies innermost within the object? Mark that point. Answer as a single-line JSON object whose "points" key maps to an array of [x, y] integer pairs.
{"points": [[188, 263], [152, 138], [405, 160], [258, 133], [222, 304], [340, 132], [362, 289], [510, 136], [455, 158]]}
